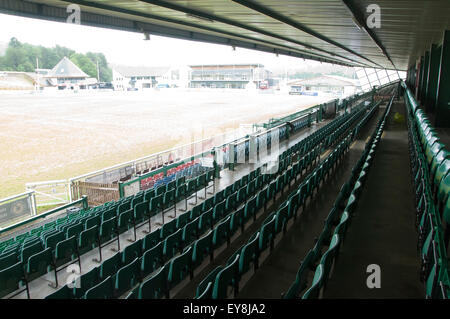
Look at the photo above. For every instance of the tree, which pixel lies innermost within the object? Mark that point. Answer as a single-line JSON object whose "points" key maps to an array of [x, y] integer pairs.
{"points": [[105, 71], [85, 64], [22, 57]]}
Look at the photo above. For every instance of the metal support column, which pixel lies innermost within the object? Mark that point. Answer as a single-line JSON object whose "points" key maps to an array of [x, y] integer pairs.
{"points": [[443, 85], [431, 92], [423, 87]]}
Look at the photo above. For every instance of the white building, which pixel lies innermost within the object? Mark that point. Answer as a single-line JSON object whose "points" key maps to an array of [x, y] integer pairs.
{"points": [[66, 75], [139, 78]]}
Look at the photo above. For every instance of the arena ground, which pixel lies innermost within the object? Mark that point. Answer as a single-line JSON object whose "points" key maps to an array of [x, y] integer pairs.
{"points": [[58, 136]]}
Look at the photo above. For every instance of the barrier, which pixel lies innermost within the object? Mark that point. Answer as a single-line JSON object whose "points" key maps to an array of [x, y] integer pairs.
{"points": [[83, 202], [17, 207]]}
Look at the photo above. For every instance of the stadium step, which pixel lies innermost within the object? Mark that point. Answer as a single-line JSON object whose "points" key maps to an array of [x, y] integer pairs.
{"points": [[279, 270]]}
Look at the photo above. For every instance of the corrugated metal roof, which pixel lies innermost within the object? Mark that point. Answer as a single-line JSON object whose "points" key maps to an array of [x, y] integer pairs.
{"points": [[332, 31]]}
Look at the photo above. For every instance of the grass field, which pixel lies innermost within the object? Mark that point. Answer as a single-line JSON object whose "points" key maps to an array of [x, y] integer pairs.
{"points": [[58, 136]]}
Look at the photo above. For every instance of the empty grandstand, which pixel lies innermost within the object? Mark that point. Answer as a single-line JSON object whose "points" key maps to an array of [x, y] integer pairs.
{"points": [[346, 199]]}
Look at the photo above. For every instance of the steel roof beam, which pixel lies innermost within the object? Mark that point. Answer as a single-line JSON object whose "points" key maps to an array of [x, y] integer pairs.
{"points": [[211, 17], [286, 20], [359, 17], [94, 19]]}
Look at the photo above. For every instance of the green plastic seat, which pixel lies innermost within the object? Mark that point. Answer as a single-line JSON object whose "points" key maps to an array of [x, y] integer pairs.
{"points": [[161, 190], [241, 195], [85, 282], [341, 228], [141, 212], [314, 291], [127, 277], [8, 260], [219, 211], [225, 278], [208, 281], [92, 221], [237, 220], [13, 279], [150, 240], [107, 230], [440, 172], [231, 202], [329, 256], [52, 240], [190, 231], [38, 264], [300, 282], [281, 218], [179, 268], [167, 229], [219, 197], [172, 244], [205, 222], [208, 204], [206, 293], [156, 205], [182, 220], [154, 287], [125, 221], [132, 252], [250, 209], [249, 254], [74, 230], [430, 284], [201, 248], [221, 233], [103, 290], [267, 234], [63, 293], [110, 213], [110, 266], [152, 259], [195, 212], [88, 239], [261, 200]]}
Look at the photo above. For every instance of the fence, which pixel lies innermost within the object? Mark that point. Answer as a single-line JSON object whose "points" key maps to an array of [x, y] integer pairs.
{"points": [[97, 193], [50, 193], [128, 178]]}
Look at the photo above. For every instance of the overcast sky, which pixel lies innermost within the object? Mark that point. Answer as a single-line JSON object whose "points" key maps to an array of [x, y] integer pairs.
{"points": [[129, 48]]}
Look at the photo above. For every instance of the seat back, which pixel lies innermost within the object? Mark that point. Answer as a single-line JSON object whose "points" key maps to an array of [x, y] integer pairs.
{"points": [[103, 290], [154, 287]]}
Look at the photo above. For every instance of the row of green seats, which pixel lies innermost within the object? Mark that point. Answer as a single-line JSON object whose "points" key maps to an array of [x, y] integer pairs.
{"points": [[250, 202], [217, 283], [333, 234], [430, 171], [176, 235]]}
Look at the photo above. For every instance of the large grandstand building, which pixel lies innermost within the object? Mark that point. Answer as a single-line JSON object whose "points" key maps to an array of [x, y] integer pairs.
{"points": [[345, 199], [228, 76]]}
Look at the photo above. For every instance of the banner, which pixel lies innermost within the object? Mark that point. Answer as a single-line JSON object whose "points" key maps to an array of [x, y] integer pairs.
{"points": [[15, 208]]}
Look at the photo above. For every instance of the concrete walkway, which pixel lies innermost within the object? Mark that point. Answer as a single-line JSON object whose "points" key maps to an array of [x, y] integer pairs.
{"points": [[382, 231]]}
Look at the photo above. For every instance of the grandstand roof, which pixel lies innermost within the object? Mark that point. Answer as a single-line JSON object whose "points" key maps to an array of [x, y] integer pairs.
{"points": [[334, 31], [131, 71], [66, 69]]}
